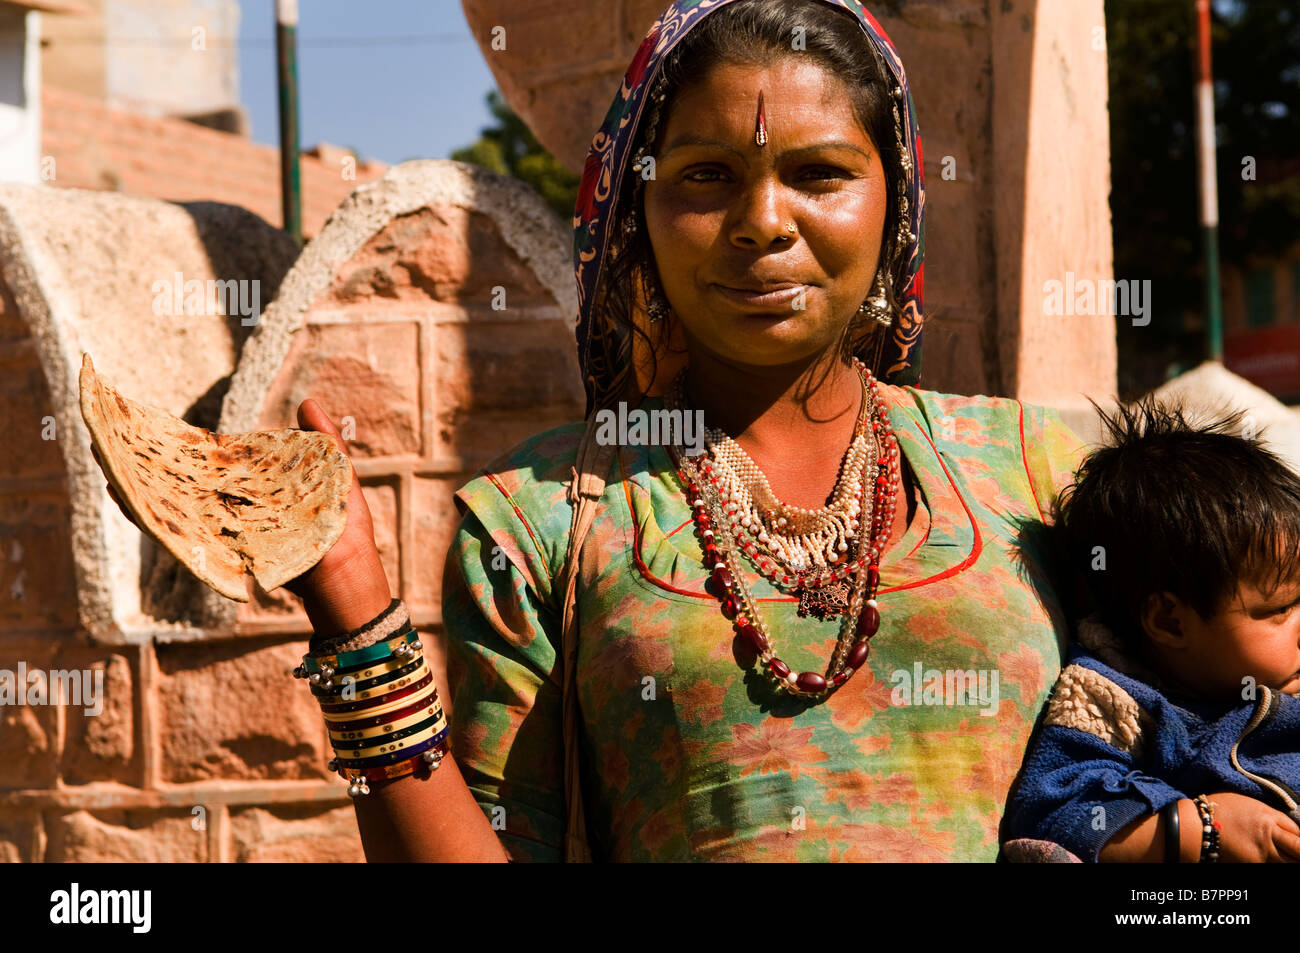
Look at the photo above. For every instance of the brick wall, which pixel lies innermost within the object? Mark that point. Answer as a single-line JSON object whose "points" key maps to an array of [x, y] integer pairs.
{"points": [[95, 147], [410, 319]]}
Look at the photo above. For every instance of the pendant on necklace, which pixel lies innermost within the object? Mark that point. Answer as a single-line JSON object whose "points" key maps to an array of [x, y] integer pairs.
{"points": [[827, 602]]}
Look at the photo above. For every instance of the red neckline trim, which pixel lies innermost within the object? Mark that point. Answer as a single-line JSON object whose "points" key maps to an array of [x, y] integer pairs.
{"points": [[978, 545]]}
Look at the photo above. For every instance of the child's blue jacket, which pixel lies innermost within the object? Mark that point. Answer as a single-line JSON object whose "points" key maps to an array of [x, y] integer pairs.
{"points": [[1112, 749]]}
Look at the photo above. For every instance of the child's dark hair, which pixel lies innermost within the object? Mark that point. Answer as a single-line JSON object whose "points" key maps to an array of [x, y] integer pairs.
{"points": [[1172, 507]]}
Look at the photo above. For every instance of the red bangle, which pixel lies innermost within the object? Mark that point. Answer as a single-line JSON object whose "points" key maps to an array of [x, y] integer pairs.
{"points": [[347, 707], [386, 718]]}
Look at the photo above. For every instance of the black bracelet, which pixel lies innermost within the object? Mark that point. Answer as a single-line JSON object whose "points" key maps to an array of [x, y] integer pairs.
{"points": [[1173, 843]]}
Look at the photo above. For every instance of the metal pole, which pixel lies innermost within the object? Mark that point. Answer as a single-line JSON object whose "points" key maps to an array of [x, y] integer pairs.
{"points": [[286, 60], [1209, 188]]}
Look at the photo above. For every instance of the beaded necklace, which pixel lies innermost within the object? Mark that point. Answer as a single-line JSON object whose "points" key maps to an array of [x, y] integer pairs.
{"points": [[731, 500], [798, 540]]}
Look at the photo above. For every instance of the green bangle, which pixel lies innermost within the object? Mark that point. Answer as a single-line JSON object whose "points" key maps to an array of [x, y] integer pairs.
{"points": [[379, 650]]}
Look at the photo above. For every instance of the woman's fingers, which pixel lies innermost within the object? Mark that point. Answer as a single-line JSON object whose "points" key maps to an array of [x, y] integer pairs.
{"points": [[112, 494], [122, 507], [351, 573], [311, 417]]}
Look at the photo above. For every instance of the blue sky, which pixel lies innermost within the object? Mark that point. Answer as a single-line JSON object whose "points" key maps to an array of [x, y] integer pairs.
{"points": [[393, 79]]}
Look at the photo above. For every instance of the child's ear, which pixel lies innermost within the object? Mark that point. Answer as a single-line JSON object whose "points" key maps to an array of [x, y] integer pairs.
{"points": [[1159, 619]]}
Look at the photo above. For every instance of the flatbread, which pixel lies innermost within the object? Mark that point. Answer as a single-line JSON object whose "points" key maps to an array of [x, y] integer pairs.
{"points": [[269, 503]]}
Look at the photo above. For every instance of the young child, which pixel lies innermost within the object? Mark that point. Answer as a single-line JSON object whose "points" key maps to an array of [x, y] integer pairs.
{"points": [[1173, 732]]}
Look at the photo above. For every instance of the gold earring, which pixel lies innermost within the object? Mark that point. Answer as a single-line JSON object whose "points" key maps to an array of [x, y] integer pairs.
{"points": [[657, 307], [877, 306]]}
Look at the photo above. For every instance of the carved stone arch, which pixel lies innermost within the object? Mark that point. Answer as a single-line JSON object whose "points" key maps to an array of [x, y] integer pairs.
{"points": [[86, 272], [433, 318]]}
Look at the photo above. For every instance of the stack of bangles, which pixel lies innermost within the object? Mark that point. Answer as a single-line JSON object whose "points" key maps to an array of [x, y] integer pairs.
{"points": [[381, 707]]}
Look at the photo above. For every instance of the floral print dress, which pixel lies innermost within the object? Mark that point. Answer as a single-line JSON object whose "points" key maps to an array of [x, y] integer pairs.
{"points": [[687, 752]]}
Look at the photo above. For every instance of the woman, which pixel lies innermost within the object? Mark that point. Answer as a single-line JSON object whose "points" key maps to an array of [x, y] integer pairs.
{"points": [[739, 692]]}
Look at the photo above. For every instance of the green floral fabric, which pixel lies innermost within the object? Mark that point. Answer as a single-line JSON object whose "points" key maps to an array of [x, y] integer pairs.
{"points": [[687, 752]]}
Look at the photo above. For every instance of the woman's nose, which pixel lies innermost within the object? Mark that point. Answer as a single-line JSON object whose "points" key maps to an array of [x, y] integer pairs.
{"points": [[759, 218]]}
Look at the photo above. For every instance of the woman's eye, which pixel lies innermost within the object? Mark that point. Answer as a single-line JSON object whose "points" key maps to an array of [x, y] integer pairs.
{"points": [[824, 172], [703, 175], [819, 173]]}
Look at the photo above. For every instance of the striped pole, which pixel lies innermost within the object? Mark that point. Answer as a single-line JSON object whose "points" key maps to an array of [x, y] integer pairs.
{"points": [[1209, 183], [286, 59]]}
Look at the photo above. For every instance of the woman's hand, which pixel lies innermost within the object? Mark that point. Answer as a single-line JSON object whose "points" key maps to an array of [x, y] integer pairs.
{"points": [[410, 819], [347, 588], [1252, 832]]}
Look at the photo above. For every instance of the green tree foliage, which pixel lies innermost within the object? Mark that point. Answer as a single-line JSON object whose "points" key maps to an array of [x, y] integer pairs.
{"points": [[1154, 203], [1259, 116], [510, 148]]}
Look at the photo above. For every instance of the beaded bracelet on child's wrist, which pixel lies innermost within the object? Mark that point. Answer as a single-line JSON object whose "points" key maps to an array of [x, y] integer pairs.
{"points": [[1210, 830], [381, 707]]}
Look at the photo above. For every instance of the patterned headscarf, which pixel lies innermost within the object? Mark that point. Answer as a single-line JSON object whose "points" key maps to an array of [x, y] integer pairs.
{"points": [[606, 360]]}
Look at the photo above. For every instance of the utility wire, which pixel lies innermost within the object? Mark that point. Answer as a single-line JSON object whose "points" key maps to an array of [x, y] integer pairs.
{"points": [[320, 43]]}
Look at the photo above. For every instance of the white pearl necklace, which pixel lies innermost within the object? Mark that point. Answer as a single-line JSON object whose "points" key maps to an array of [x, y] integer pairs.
{"points": [[798, 540]]}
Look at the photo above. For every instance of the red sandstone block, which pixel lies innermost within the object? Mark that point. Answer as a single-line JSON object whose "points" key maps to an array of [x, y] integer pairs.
{"points": [[29, 435], [28, 726], [433, 522], [638, 17], [447, 254], [37, 582], [227, 710], [541, 34], [491, 391], [366, 377], [17, 836], [99, 733], [956, 347], [382, 500], [280, 607], [296, 834], [135, 836]]}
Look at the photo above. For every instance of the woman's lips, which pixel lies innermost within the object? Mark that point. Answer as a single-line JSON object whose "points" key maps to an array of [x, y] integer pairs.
{"points": [[776, 297]]}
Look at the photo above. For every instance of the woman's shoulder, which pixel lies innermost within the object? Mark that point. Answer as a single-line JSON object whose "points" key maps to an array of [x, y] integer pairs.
{"points": [[982, 421], [535, 471], [1001, 433], [981, 410], [520, 497], [544, 458]]}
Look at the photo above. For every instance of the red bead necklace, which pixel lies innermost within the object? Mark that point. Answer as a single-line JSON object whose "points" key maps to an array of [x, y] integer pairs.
{"points": [[718, 533]]}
